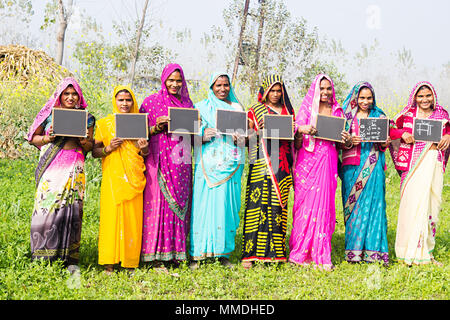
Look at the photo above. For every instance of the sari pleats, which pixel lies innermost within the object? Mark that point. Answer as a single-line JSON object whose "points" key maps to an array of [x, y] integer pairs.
{"points": [[58, 208], [418, 211]]}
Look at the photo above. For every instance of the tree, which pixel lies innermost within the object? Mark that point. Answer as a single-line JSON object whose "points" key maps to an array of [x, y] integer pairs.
{"points": [[138, 40], [64, 13], [272, 41], [241, 35]]}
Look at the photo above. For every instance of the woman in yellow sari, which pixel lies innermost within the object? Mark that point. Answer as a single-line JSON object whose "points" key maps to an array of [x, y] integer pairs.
{"points": [[121, 193]]}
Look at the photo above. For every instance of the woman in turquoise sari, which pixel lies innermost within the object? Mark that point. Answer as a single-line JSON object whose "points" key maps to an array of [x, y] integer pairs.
{"points": [[363, 183], [219, 162]]}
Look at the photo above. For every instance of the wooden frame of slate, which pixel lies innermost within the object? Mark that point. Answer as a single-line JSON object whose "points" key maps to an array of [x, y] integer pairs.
{"points": [[374, 129], [283, 123], [329, 127], [183, 121], [427, 130], [131, 126], [69, 122], [231, 121]]}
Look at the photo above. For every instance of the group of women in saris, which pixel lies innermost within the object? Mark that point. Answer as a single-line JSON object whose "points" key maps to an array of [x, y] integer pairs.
{"points": [[154, 201]]}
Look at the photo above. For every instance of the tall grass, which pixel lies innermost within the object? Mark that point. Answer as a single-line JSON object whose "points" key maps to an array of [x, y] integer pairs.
{"points": [[22, 279]]}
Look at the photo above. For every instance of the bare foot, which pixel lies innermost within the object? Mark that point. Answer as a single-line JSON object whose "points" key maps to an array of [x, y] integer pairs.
{"points": [[194, 265], [109, 269], [436, 263], [225, 262], [247, 264]]}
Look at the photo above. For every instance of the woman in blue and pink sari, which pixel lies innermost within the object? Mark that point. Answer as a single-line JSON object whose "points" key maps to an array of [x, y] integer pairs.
{"points": [[60, 181], [167, 195], [421, 166], [363, 182], [315, 179]]}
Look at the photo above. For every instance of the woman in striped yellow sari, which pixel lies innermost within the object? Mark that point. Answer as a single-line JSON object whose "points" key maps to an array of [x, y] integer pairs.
{"points": [[121, 193], [269, 180]]}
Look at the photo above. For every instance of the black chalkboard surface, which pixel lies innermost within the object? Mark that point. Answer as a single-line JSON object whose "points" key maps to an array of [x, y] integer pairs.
{"points": [[329, 128], [184, 120], [278, 127], [374, 129], [69, 122], [427, 130], [231, 121], [131, 125]]}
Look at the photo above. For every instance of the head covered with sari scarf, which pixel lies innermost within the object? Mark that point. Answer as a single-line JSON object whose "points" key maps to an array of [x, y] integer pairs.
{"points": [[268, 84], [350, 104], [117, 89], [414, 150], [209, 106], [309, 109], [168, 152], [125, 167], [280, 180], [223, 157], [163, 99], [55, 101]]}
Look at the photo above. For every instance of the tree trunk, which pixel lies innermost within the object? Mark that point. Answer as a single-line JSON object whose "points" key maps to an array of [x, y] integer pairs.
{"points": [[138, 40], [64, 16], [255, 78], [241, 35]]}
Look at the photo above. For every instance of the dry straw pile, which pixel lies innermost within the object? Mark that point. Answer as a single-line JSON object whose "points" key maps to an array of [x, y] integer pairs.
{"points": [[22, 64], [27, 79]]}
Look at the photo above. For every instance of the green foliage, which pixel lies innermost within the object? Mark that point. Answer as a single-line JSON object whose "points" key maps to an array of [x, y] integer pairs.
{"points": [[22, 279], [288, 46]]}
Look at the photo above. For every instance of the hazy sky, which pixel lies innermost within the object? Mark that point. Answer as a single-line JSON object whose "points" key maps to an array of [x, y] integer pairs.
{"points": [[421, 26]]}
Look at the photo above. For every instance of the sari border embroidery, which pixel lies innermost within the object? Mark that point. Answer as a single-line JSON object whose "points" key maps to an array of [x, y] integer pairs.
{"points": [[173, 205]]}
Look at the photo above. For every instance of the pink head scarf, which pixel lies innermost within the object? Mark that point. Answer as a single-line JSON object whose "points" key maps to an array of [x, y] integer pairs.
{"points": [[55, 101], [165, 148], [413, 151], [309, 109]]}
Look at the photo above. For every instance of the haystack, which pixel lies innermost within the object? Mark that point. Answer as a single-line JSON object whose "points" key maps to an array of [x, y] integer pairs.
{"points": [[21, 64]]}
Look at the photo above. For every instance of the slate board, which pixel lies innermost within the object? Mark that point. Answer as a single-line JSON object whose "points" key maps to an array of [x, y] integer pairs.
{"points": [[278, 127], [131, 126], [427, 130], [230, 121], [184, 120], [329, 128], [374, 129], [69, 122]]}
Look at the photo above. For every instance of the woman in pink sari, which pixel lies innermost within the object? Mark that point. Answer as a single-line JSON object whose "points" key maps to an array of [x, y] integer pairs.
{"points": [[167, 195], [315, 178]]}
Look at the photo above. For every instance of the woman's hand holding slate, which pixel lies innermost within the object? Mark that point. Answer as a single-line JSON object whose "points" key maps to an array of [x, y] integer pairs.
{"points": [[408, 138]]}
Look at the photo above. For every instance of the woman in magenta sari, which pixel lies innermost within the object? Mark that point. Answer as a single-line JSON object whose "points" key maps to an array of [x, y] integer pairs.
{"points": [[315, 179], [167, 195]]}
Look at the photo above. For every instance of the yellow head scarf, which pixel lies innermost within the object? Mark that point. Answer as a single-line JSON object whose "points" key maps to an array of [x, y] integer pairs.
{"points": [[134, 109], [124, 167]]}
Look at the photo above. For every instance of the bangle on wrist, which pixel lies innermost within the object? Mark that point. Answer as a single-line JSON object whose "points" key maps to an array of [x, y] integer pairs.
{"points": [[42, 139], [104, 151], [144, 154]]}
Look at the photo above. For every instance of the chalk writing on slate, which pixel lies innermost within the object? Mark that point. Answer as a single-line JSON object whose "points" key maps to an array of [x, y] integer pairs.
{"points": [[374, 129], [427, 130], [69, 122]]}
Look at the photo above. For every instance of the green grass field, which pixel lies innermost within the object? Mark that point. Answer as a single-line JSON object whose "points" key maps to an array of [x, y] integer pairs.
{"points": [[22, 279]]}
